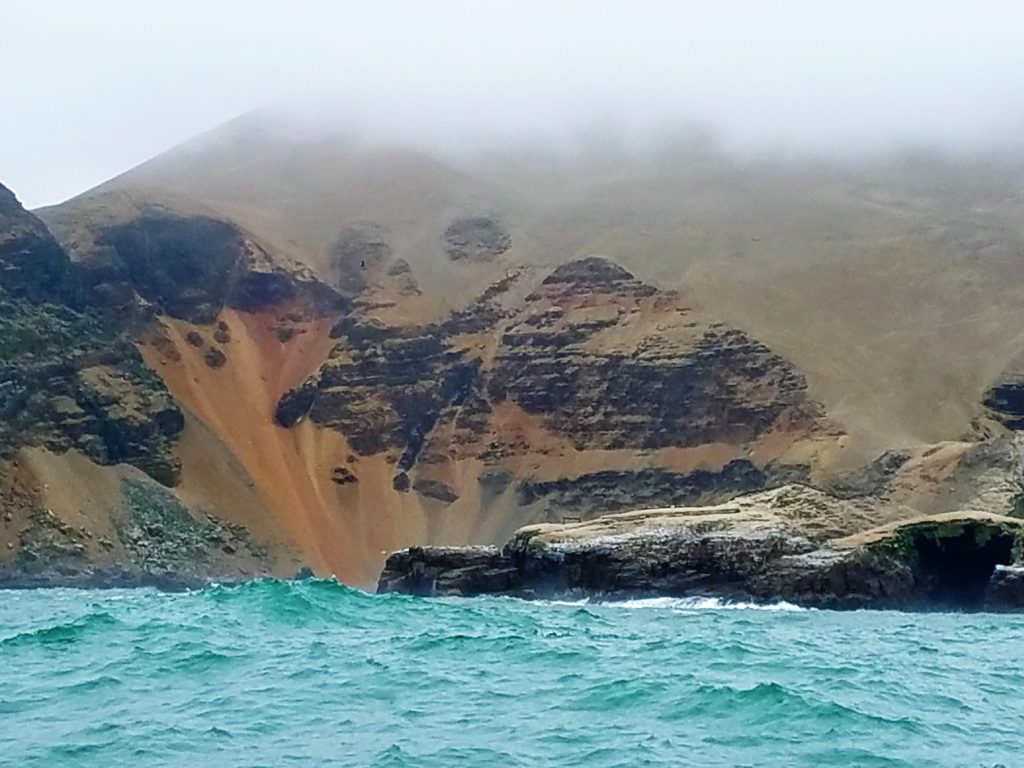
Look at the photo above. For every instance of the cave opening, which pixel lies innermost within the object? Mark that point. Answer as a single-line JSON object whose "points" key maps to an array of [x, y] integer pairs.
{"points": [[953, 572]]}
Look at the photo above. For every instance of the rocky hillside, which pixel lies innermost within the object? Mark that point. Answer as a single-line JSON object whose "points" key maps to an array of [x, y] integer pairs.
{"points": [[214, 367], [589, 360], [82, 415]]}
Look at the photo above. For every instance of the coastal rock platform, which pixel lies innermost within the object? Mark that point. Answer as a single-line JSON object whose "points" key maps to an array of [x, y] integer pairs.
{"points": [[790, 544]]}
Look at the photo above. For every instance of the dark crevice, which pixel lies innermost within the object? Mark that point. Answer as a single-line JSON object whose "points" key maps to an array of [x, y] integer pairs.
{"points": [[953, 572]]}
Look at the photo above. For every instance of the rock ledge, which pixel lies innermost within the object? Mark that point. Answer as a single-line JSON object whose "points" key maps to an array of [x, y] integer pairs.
{"points": [[757, 547]]}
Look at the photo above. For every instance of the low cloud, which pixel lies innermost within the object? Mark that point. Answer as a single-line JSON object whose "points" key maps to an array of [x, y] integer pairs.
{"points": [[93, 89]]}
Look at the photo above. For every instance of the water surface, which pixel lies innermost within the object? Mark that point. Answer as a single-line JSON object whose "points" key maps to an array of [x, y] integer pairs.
{"points": [[315, 674]]}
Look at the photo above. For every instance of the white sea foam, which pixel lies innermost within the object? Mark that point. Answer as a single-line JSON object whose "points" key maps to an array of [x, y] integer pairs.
{"points": [[703, 603], [683, 604]]}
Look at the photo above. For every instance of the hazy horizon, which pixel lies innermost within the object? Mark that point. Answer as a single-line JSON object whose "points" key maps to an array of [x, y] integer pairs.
{"points": [[105, 87]]}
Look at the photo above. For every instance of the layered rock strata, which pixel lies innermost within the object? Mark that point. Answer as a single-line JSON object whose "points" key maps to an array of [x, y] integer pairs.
{"points": [[595, 358]]}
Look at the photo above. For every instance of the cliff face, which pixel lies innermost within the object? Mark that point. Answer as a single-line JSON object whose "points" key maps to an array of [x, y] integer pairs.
{"points": [[32, 264], [69, 378], [587, 359]]}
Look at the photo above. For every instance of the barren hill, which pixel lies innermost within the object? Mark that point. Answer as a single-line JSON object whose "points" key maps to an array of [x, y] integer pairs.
{"points": [[370, 347]]}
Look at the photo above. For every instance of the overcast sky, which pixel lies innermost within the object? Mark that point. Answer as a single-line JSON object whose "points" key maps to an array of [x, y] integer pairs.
{"points": [[93, 88]]}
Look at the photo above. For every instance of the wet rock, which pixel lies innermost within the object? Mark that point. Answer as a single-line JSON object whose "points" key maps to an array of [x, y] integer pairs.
{"points": [[1005, 591], [463, 571], [837, 579]]}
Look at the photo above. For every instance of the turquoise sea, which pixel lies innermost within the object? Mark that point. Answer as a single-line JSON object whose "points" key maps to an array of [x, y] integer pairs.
{"points": [[316, 674]]}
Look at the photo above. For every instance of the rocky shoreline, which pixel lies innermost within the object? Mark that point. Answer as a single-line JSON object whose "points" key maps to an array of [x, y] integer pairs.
{"points": [[751, 549], [115, 578]]}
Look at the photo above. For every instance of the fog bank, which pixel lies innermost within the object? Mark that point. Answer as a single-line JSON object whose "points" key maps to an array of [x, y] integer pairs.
{"points": [[96, 88]]}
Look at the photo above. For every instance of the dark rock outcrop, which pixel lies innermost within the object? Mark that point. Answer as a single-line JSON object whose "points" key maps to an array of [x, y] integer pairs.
{"points": [[186, 266], [685, 386], [32, 264], [466, 571], [1005, 400], [435, 489], [70, 378], [343, 476], [582, 354], [192, 266], [400, 271], [65, 384], [263, 286], [476, 237], [618, 490], [592, 271], [870, 478], [386, 393], [752, 549], [357, 254], [214, 358], [1005, 590]]}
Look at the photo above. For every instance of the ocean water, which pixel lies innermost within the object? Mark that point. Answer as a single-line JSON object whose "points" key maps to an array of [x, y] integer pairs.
{"points": [[315, 674]]}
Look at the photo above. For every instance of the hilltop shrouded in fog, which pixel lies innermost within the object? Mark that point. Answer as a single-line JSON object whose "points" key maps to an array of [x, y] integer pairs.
{"points": [[124, 82]]}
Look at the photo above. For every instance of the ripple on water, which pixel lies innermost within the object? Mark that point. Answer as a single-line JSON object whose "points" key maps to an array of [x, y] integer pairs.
{"points": [[314, 673], [63, 633]]}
